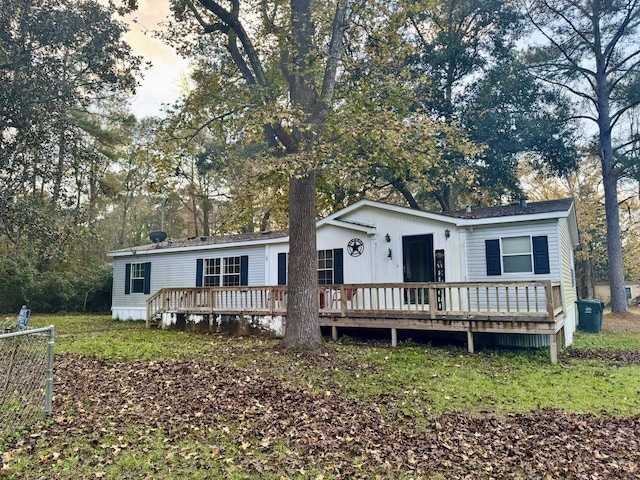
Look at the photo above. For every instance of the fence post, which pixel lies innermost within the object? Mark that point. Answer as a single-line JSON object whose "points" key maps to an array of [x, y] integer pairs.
{"points": [[26, 357], [48, 409]]}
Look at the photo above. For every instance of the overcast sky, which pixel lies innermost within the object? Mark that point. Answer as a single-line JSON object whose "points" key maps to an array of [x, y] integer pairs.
{"points": [[161, 83]]}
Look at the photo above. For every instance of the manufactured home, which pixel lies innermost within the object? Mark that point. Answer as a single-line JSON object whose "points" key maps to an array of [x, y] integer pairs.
{"points": [[506, 270]]}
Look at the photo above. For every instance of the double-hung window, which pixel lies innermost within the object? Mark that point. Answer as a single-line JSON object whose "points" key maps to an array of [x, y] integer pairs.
{"points": [[521, 254], [212, 270], [222, 271], [516, 255], [231, 277], [325, 267], [330, 267], [137, 278]]}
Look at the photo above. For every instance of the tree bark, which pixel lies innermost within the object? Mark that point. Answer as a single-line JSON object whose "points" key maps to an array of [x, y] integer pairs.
{"points": [[610, 184], [614, 243], [303, 323], [588, 274]]}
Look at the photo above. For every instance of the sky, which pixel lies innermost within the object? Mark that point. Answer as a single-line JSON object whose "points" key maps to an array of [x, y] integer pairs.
{"points": [[161, 82]]}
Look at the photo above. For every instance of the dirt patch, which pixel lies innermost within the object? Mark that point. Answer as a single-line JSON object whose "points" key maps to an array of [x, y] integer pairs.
{"points": [[345, 438], [620, 357], [628, 322]]}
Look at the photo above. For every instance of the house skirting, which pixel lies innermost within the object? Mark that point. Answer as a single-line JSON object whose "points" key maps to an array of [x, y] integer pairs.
{"points": [[129, 313], [235, 324]]}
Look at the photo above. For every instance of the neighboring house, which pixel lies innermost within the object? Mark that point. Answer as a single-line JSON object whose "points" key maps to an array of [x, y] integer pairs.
{"points": [[370, 242], [602, 291]]}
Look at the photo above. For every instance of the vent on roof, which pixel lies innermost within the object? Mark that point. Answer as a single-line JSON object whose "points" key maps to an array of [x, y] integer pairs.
{"points": [[468, 209], [203, 239], [523, 202]]}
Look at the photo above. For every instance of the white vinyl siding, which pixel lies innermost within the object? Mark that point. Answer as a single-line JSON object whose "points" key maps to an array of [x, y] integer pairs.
{"points": [[569, 294], [178, 269], [568, 271], [476, 253], [384, 268]]}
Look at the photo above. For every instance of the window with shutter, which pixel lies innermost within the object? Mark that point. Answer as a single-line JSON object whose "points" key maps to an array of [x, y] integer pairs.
{"points": [[222, 272], [137, 278], [522, 254]]}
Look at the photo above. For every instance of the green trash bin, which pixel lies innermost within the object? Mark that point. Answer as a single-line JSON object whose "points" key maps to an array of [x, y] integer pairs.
{"points": [[590, 315]]}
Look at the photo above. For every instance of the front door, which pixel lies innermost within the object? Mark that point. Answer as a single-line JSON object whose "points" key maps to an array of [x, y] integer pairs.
{"points": [[417, 265]]}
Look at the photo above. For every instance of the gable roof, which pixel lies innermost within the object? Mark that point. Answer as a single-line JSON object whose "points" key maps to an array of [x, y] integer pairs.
{"points": [[488, 215], [519, 212], [528, 208]]}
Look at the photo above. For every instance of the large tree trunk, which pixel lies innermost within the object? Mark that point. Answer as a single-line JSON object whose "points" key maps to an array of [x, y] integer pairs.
{"points": [[300, 66], [614, 243], [588, 278], [303, 324], [610, 184]]}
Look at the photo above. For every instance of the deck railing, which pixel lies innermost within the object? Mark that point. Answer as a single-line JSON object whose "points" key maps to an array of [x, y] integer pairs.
{"points": [[533, 300]]}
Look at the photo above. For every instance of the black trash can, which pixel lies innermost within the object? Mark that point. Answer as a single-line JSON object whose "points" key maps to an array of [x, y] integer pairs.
{"points": [[590, 315]]}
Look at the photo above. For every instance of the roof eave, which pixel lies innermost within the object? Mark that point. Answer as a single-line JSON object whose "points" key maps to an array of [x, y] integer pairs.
{"points": [[152, 250], [530, 217], [384, 206], [369, 230]]}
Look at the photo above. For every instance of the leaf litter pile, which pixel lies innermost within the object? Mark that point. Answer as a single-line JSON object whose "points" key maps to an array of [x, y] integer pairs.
{"points": [[261, 426]]}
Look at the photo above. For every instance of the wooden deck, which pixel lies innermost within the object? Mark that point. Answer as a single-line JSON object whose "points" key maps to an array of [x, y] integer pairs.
{"points": [[495, 307]]}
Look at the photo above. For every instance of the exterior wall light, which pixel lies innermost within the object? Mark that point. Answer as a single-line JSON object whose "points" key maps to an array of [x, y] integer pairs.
{"points": [[387, 238], [447, 233]]}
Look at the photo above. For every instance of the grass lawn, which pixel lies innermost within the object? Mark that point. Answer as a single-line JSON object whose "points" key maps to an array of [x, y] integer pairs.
{"points": [[137, 403]]}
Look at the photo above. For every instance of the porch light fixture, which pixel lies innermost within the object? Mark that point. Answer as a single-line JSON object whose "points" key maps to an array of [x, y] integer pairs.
{"points": [[387, 238], [447, 233], [389, 254]]}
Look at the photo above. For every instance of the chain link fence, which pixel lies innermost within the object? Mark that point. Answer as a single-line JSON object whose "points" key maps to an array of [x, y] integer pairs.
{"points": [[26, 377]]}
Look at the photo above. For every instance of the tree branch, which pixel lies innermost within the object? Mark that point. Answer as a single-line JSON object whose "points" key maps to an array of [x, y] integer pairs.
{"points": [[231, 18], [331, 68], [563, 52], [622, 28]]}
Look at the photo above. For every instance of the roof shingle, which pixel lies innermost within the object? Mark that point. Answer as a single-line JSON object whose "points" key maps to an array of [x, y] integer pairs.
{"points": [[531, 208]]}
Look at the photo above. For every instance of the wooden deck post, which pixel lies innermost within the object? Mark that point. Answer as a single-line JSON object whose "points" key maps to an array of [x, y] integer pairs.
{"points": [[432, 301], [548, 290], [553, 342], [394, 337], [334, 333], [470, 341]]}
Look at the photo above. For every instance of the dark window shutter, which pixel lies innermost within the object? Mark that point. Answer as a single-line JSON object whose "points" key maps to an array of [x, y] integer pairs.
{"points": [[244, 270], [492, 249], [127, 279], [282, 269], [338, 270], [147, 278], [199, 271], [540, 255]]}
